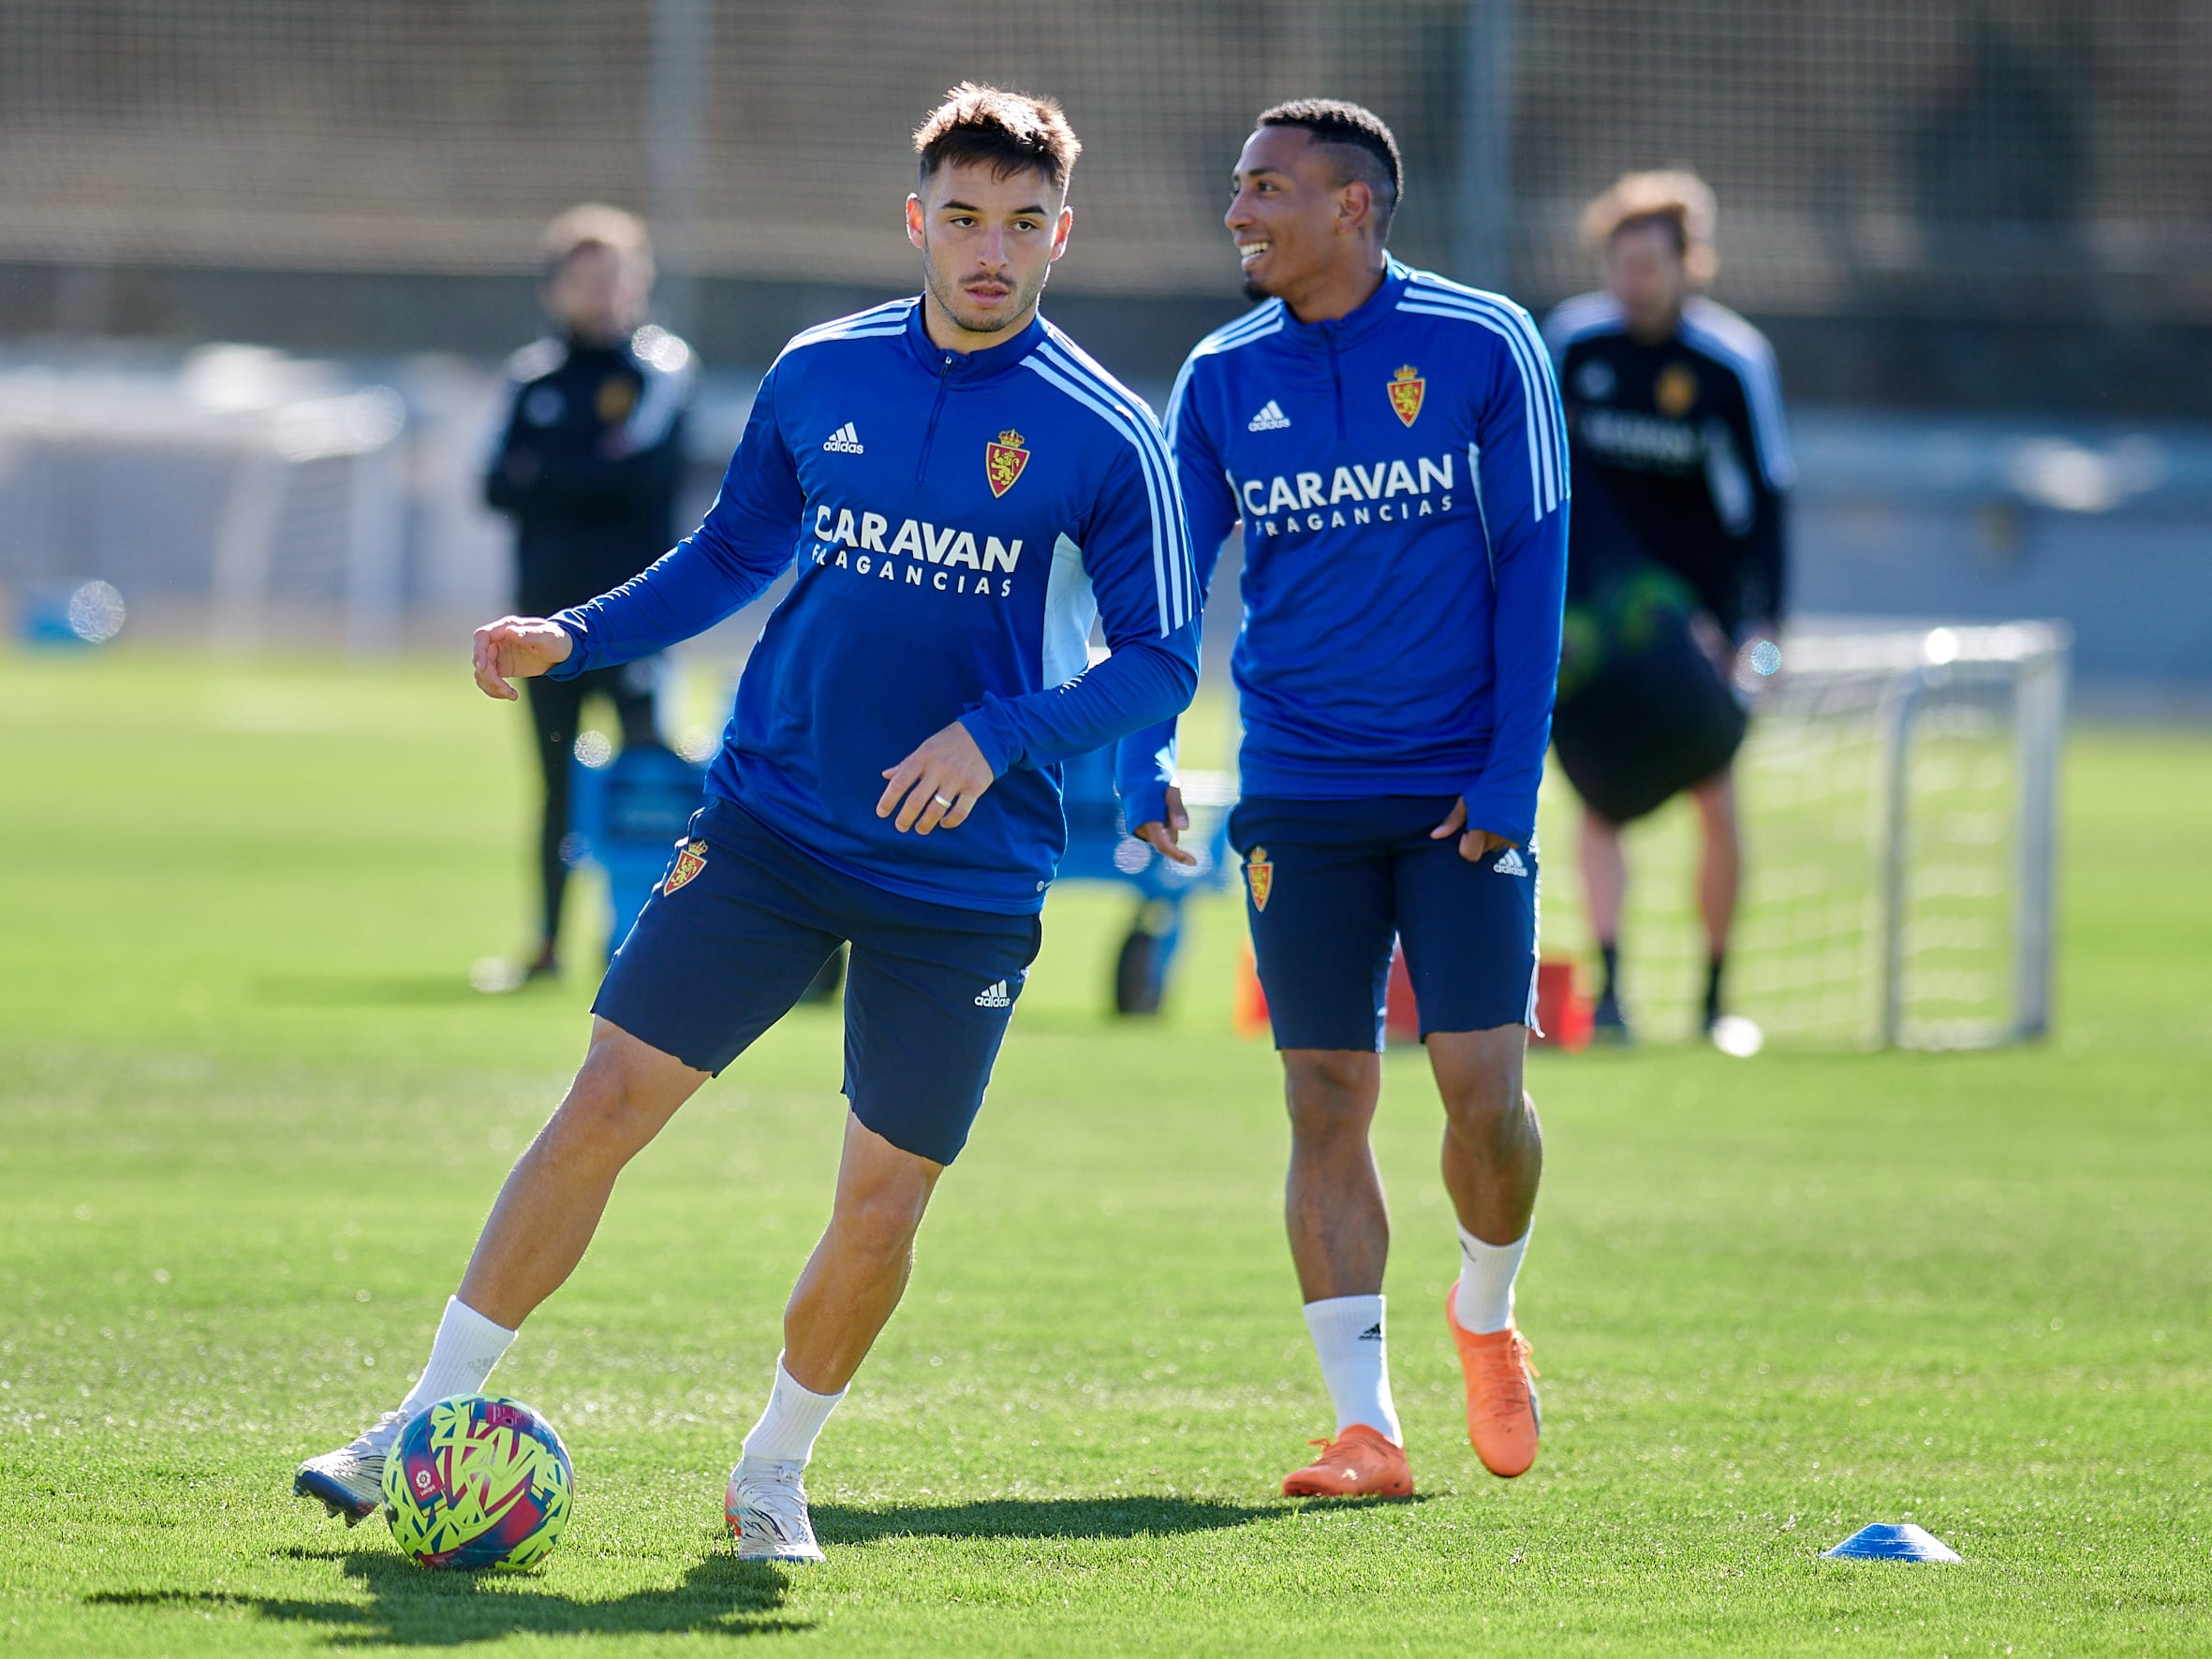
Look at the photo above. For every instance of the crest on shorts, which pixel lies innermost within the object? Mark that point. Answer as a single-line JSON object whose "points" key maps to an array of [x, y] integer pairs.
{"points": [[1004, 459], [1258, 876], [691, 857], [1407, 389]]}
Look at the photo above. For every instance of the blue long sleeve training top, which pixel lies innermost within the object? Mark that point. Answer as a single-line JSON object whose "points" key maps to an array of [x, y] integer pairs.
{"points": [[1401, 475], [958, 522]]}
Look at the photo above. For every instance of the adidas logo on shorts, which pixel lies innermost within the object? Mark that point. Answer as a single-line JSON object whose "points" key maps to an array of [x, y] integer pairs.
{"points": [[995, 996], [1271, 418], [844, 441], [1510, 862]]}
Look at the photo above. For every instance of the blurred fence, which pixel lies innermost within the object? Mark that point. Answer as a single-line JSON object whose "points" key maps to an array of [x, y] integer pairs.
{"points": [[2033, 158]]}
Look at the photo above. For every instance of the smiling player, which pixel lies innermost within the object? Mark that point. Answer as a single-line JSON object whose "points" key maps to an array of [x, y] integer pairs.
{"points": [[1393, 445], [964, 492]]}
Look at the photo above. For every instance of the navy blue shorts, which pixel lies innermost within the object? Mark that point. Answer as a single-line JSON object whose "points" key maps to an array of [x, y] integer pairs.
{"points": [[1329, 884], [744, 920]]}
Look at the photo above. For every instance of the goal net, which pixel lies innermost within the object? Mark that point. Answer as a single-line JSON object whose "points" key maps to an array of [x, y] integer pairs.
{"points": [[1898, 794], [239, 486], [1877, 156]]}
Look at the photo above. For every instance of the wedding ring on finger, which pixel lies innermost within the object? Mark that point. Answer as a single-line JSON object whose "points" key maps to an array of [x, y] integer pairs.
{"points": [[942, 802]]}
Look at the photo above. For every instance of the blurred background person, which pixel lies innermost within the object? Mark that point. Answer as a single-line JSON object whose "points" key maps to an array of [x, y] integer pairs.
{"points": [[587, 465], [1675, 562]]}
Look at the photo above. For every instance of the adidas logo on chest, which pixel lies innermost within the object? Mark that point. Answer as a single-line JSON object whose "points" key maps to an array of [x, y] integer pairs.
{"points": [[1270, 418], [844, 441]]}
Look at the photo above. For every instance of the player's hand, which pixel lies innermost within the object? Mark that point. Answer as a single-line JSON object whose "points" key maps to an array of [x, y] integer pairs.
{"points": [[1165, 838], [937, 785], [1474, 845], [518, 648]]}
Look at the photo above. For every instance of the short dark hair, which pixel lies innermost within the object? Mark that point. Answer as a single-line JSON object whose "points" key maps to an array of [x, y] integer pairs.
{"points": [[1009, 132], [1335, 121]]}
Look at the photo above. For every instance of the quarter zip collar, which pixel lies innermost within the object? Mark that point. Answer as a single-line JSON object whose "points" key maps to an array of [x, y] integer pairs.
{"points": [[1340, 332], [961, 368]]}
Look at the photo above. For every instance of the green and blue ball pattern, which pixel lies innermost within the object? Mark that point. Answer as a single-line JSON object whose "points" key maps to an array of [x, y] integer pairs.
{"points": [[478, 1482]]}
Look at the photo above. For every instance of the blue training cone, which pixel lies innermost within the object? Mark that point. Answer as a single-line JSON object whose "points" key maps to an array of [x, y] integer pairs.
{"points": [[1884, 1542]]}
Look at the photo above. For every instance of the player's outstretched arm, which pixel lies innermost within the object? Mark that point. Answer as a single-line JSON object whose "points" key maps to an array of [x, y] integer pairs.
{"points": [[518, 648], [739, 549]]}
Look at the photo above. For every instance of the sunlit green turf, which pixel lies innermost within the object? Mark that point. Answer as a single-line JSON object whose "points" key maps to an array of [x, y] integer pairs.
{"points": [[251, 1115]]}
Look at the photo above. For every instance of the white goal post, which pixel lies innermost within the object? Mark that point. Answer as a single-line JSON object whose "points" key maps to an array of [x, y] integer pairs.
{"points": [[232, 485], [1898, 793]]}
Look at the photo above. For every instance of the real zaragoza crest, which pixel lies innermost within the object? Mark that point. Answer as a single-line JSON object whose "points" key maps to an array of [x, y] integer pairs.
{"points": [[1260, 876], [1003, 460], [1407, 388], [1676, 389], [691, 857]]}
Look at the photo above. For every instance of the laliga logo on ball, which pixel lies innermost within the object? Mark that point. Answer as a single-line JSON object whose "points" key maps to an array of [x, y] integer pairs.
{"points": [[478, 1482]]}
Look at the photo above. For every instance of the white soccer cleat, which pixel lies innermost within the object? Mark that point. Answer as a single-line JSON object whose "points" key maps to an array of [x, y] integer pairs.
{"points": [[350, 1480], [767, 1511]]}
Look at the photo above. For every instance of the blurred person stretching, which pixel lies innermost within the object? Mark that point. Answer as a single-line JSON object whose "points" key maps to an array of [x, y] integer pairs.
{"points": [[964, 493], [1391, 443], [587, 465], [1675, 572]]}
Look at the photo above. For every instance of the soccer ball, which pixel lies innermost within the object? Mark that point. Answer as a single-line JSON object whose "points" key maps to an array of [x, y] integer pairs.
{"points": [[476, 1482]]}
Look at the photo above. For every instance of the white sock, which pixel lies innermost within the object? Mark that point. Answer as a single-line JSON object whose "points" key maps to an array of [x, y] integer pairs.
{"points": [[788, 1427], [466, 1349], [1483, 1303], [1347, 1336]]}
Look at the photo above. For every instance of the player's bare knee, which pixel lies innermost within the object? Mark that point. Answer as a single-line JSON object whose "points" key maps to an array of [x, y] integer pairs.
{"points": [[1486, 1106], [879, 1223], [883, 1194], [608, 1115], [1329, 1093], [1480, 1077]]}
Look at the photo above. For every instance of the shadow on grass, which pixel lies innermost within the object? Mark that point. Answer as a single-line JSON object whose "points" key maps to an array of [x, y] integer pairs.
{"points": [[408, 1607], [1034, 1517]]}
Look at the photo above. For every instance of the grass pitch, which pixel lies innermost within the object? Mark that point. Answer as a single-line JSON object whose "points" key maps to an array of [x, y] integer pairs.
{"points": [[251, 1116]]}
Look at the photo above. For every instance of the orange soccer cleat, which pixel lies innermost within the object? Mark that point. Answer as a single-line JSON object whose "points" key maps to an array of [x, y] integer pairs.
{"points": [[1502, 1417], [1358, 1463]]}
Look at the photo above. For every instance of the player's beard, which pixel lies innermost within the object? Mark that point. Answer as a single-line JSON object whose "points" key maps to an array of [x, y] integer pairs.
{"points": [[1257, 286], [947, 296]]}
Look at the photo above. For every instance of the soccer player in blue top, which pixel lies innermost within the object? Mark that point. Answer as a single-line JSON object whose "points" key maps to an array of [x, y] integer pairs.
{"points": [[964, 493], [1393, 445]]}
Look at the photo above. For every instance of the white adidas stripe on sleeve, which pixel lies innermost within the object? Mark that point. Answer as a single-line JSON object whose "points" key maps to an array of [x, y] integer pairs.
{"points": [[1545, 434], [1172, 576], [1723, 335]]}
